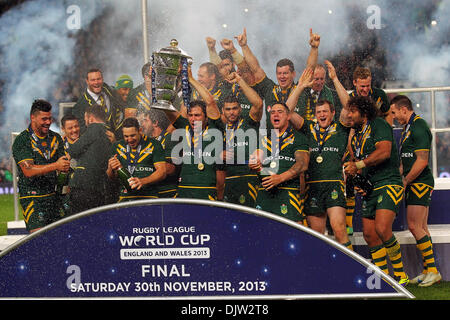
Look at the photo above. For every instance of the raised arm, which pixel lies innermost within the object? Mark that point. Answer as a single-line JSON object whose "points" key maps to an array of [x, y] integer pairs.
{"points": [[314, 42], [255, 100], [342, 93], [305, 81], [213, 56], [242, 66], [250, 58], [212, 110], [211, 106]]}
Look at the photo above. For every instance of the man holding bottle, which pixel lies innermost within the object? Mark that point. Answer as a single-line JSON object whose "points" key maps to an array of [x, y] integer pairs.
{"points": [[138, 162]]}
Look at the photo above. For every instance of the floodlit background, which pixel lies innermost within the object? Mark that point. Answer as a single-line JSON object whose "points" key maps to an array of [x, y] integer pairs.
{"points": [[46, 46]]}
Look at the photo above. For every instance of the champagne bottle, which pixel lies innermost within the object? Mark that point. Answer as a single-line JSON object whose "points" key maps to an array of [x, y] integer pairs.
{"points": [[61, 180], [266, 173], [124, 175]]}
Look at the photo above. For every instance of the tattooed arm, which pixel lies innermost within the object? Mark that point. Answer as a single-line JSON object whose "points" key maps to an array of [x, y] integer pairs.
{"points": [[30, 169], [381, 153], [300, 166], [301, 163]]}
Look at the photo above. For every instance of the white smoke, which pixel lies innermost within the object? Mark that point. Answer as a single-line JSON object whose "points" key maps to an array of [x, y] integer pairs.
{"points": [[275, 29], [425, 53], [423, 56], [36, 46]]}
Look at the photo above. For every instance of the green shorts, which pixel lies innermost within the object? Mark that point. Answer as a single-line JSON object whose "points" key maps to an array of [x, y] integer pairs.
{"points": [[387, 197], [418, 194], [241, 190], [39, 211], [169, 193], [323, 195], [133, 198], [204, 193], [285, 202]]}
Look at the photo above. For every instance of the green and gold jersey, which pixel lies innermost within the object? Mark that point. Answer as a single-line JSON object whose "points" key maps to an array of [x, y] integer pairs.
{"points": [[416, 136], [238, 138], [141, 100], [171, 182], [242, 99], [220, 91], [42, 151], [327, 149], [364, 142], [379, 97], [308, 99], [198, 154], [139, 96], [140, 162], [272, 93], [279, 153]]}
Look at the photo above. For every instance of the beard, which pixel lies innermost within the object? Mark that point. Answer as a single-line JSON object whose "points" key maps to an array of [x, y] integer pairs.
{"points": [[357, 126]]}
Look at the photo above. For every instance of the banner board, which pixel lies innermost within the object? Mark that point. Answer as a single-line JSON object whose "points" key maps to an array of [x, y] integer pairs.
{"points": [[186, 248]]}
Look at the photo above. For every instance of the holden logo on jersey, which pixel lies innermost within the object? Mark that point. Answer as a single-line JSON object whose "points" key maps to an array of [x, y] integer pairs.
{"points": [[407, 155], [147, 169], [331, 149]]}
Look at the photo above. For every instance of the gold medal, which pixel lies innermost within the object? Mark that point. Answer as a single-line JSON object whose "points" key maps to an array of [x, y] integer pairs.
{"points": [[273, 164], [201, 166], [319, 159]]}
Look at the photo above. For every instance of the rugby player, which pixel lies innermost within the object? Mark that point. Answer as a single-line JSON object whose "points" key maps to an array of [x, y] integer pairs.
{"points": [[376, 159], [282, 158], [240, 182], [418, 182], [144, 159], [39, 154]]}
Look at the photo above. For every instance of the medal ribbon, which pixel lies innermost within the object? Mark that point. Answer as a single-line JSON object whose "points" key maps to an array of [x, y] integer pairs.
{"points": [[282, 141], [42, 145], [192, 139], [359, 140], [66, 145], [231, 128], [161, 136], [229, 136], [132, 157], [321, 138], [284, 95], [405, 132]]}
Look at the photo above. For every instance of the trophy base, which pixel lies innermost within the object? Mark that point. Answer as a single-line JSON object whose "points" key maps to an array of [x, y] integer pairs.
{"points": [[164, 105]]}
